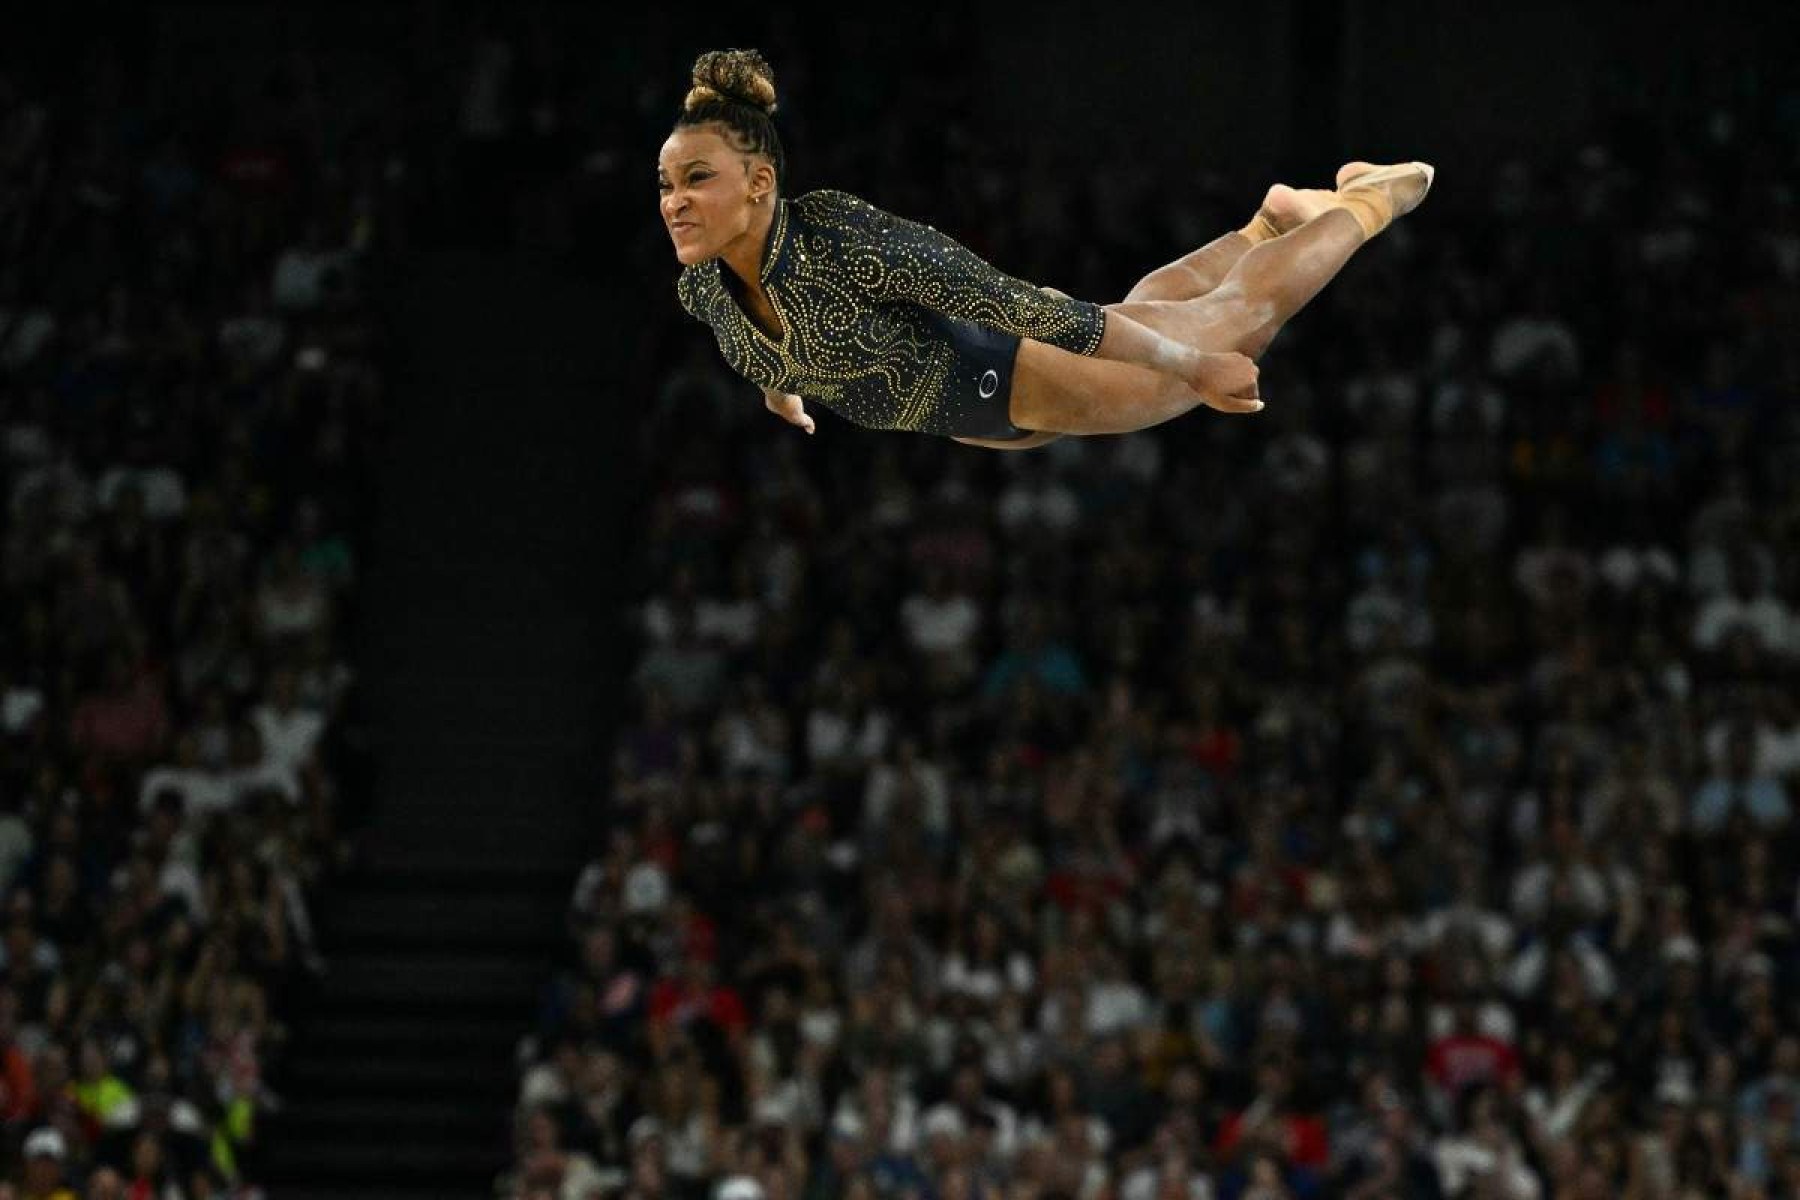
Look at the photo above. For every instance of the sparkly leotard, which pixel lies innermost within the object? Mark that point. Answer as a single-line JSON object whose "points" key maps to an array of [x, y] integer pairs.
{"points": [[889, 323]]}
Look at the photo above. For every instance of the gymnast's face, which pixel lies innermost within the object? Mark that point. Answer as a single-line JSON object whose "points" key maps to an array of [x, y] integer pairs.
{"points": [[712, 194]]}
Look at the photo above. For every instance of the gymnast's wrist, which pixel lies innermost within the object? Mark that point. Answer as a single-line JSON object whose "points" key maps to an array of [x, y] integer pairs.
{"points": [[1172, 358]]}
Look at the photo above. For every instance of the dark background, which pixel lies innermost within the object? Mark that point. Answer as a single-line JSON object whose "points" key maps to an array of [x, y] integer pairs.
{"points": [[522, 287]]}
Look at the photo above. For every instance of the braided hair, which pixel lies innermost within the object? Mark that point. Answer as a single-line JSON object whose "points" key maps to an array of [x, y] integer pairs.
{"points": [[736, 90]]}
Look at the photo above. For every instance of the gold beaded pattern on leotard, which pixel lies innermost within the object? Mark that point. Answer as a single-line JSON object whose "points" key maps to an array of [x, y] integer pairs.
{"points": [[862, 295]]}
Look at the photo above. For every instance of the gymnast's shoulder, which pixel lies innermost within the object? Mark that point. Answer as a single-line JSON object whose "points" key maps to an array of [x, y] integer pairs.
{"points": [[698, 287], [831, 207]]}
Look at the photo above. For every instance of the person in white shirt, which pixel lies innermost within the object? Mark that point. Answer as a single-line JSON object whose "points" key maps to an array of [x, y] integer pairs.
{"points": [[1631, 782], [1551, 563], [1537, 339], [983, 967], [941, 624], [1747, 608], [251, 339], [1774, 736], [732, 619], [290, 602], [751, 734], [306, 274], [1467, 921], [202, 791], [908, 776], [1471, 392], [290, 732], [1384, 393], [1737, 790], [1483, 1158], [164, 492], [1115, 1005], [844, 730], [879, 1105], [1555, 1106], [1036, 498], [252, 771]]}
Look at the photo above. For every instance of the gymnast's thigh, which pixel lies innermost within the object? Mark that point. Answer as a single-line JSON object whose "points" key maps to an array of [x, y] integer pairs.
{"points": [[1056, 391]]}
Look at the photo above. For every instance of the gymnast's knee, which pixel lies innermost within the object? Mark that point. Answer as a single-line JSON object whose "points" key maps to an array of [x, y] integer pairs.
{"points": [[1161, 284]]}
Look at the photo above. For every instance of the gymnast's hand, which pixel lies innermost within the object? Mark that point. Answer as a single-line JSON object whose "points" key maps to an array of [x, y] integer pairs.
{"points": [[789, 408], [1227, 382]]}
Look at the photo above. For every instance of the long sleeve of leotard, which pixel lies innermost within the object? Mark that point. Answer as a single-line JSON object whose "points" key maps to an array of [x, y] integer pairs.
{"points": [[892, 259]]}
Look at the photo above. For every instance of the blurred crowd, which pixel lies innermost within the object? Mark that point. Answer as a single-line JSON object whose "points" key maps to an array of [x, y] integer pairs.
{"points": [[1388, 795], [188, 393]]}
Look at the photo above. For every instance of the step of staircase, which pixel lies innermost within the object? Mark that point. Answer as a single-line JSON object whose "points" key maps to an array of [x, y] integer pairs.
{"points": [[416, 1161], [510, 922], [346, 1120], [392, 1191], [491, 621], [398, 1073], [361, 1031], [412, 866], [381, 977]]}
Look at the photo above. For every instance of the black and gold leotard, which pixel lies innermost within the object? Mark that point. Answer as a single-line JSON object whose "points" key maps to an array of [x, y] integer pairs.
{"points": [[889, 323]]}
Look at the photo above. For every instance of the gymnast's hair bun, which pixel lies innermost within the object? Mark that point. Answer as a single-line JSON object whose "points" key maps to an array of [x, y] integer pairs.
{"points": [[737, 76]]}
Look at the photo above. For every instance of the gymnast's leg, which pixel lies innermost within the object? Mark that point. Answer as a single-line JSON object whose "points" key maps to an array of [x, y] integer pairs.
{"points": [[1266, 287], [1193, 275], [1055, 391], [1274, 279], [1058, 392], [1030, 441]]}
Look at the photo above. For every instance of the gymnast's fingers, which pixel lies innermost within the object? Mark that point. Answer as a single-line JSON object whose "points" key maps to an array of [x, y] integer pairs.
{"points": [[1235, 404], [793, 409]]}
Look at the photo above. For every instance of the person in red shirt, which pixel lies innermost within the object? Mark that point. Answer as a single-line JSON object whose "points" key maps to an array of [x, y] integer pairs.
{"points": [[125, 719], [1466, 1056], [695, 995], [1273, 1121], [150, 1169], [18, 1084], [1268, 883]]}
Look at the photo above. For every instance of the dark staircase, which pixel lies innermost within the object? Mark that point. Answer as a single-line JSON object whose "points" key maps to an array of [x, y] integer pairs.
{"points": [[488, 642]]}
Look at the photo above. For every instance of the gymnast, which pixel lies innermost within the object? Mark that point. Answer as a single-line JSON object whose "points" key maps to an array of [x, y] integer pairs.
{"points": [[894, 325]]}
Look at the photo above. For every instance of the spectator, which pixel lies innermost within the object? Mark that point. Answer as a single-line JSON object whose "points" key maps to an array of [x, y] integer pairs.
{"points": [[1738, 794], [154, 429], [46, 1154]]}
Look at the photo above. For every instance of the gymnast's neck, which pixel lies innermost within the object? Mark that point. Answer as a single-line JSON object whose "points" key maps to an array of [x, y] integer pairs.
{"points": [[744, 254]]}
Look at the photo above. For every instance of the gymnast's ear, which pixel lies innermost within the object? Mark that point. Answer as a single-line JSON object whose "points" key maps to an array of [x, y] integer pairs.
{"points": [[762, 179]]}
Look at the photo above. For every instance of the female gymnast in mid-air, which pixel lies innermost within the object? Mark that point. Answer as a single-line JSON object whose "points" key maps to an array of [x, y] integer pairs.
{"points": [[893, 325]]}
